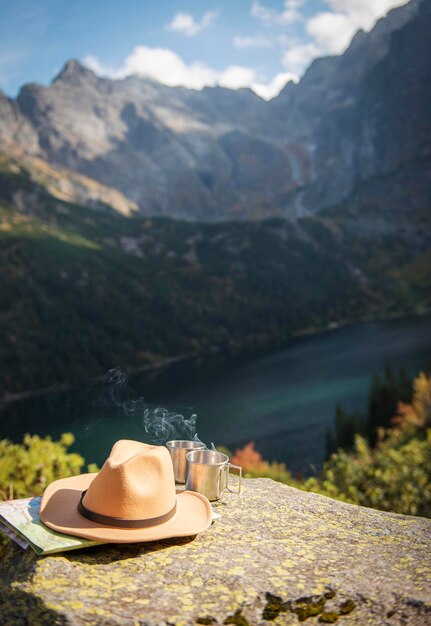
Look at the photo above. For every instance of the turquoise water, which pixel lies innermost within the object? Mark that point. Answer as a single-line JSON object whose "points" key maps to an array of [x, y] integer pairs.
{"points": [[283, 400]]}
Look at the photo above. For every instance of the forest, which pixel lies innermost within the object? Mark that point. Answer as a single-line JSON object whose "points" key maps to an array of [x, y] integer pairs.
{"points": [[85, 289]]}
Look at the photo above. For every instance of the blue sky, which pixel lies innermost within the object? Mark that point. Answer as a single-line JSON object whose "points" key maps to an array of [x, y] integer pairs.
{"points": [[256, 43]]}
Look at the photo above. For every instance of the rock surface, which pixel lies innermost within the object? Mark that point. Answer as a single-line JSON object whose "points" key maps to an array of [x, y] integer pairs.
{"points": [[276, 556]]}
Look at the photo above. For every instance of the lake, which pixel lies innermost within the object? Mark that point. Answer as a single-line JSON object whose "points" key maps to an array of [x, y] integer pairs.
{"points": [[283, 400]]}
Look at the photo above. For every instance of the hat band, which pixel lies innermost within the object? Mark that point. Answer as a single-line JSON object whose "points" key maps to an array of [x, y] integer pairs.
{"points": [[119, 522]]}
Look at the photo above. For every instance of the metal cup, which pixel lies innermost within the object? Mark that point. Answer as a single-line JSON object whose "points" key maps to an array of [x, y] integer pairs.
{"points": [[178, 449], [208, 473]]}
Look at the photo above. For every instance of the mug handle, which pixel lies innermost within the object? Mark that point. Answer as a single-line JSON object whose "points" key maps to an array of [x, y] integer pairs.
{"points": [[230, 466]]}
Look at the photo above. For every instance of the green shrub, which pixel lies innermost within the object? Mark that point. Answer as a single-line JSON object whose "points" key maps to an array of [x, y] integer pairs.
{"points": [[394, 475], [27, 468], [388, 478]]}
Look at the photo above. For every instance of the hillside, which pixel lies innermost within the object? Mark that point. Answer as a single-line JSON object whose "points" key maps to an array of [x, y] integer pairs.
{"points": [[140, 221], [84, 289]]}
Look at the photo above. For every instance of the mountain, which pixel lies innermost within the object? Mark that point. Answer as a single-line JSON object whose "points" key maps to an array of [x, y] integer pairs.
{"points": [[85, 290], [139, 221], [220, 154]]}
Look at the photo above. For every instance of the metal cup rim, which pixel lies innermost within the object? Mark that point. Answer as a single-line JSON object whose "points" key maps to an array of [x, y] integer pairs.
{"points": [[191, 460], [198, 445]]}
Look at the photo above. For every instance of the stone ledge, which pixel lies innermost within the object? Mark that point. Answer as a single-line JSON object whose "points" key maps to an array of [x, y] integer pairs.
{"points": [[277, 556]]}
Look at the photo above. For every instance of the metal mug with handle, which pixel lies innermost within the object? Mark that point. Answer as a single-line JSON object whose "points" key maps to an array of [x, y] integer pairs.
{"points": [[178, 449], [208, 473]]}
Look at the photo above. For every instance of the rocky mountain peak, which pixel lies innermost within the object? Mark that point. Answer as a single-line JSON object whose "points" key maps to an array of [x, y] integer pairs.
{"points": [[73, 72]]}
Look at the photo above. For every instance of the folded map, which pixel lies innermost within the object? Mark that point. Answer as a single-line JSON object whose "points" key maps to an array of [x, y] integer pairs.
{"points": [[19, 520]]}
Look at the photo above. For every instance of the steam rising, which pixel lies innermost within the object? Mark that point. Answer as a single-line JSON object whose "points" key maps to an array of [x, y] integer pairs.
{"points": [[159, 425]]}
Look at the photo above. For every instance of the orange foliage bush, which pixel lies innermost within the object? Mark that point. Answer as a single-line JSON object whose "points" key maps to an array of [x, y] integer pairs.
{"points": [[253, 465], [248, 457]]}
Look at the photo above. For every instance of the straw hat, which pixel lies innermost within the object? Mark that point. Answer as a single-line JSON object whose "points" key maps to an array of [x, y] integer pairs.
{"points": [[131, 499]]}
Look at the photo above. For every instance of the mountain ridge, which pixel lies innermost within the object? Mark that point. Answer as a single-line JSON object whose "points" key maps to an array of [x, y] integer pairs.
{"points": [[220, 154]]}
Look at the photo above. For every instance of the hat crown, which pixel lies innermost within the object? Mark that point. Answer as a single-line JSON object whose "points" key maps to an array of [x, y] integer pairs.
{"points": [[136, 482]]}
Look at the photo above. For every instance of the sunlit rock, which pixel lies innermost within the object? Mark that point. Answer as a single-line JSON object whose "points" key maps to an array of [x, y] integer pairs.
{"points": [[277, 555]]}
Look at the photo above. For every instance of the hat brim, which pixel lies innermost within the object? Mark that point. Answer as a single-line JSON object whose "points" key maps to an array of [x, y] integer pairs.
{"points": [[58, 510]]}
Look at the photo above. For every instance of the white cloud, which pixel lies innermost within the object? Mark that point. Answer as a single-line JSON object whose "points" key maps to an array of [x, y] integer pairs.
{"points": [[186, 24], [236, 76], [160, 64], [98, 68], [167, 67], [331, 31], [262, 12], [287, 15], [364, 12], [298, 57], [251, 42], [328, 33], [273, 88], [293, 4]]}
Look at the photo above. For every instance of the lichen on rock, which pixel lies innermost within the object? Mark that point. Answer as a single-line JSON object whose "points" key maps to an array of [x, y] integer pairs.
{"points": [[276, 556]]}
